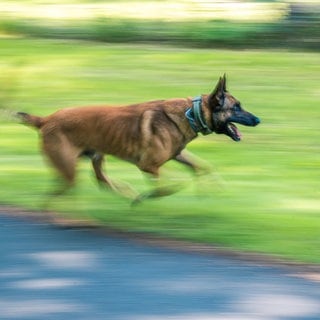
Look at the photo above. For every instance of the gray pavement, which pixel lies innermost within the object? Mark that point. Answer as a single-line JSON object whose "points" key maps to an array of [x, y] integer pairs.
{"points": [[50, 273]]}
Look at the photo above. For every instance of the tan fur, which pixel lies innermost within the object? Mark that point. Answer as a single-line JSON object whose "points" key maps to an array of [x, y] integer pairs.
{"points": [[146, 134]]}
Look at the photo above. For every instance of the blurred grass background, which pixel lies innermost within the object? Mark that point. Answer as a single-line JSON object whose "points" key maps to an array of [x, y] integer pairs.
{"points": [[199, 23], [264, 193]]}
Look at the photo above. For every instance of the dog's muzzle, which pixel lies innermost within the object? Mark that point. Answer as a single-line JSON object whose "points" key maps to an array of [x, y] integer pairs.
{"points": [[231, 130]]}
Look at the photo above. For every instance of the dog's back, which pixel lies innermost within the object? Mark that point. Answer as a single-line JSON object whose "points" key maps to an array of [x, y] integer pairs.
{"points": [[126, 132]]}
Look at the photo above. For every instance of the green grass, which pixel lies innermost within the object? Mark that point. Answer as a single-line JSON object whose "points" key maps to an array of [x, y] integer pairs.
{"points": [[265, 195]]}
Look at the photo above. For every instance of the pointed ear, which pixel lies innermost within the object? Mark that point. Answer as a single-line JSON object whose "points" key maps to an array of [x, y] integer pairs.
{"points": [[224, 79], [217, 95]]}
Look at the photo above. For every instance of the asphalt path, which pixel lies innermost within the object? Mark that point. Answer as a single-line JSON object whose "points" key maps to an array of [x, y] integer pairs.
{"points": [[54, 273]]}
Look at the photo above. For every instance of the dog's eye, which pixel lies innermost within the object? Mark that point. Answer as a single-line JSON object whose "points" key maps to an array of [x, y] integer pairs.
{"points": [[217, 109], [237, 107]]}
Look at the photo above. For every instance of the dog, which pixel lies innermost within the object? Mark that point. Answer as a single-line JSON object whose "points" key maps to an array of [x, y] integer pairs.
{"points": [[146, 134]]}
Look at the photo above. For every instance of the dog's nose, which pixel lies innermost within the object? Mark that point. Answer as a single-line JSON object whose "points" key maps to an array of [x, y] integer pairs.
{"points": [[256, 121]]}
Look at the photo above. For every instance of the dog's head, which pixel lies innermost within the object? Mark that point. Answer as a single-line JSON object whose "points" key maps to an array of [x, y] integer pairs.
{"points": [[227, 110]]}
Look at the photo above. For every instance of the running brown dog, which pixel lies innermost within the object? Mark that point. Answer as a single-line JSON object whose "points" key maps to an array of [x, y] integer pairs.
{"points": [[146, 134]]}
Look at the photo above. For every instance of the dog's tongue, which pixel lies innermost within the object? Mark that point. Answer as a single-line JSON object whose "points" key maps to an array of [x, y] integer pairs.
{"points": [[235, 131], [238, 133]]}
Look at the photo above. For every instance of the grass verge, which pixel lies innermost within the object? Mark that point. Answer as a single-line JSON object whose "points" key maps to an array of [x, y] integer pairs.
{"points": [[266, 195]]}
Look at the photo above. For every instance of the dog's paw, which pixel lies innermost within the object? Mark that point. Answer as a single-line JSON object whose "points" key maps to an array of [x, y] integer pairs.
{"points": [[124, 189]]}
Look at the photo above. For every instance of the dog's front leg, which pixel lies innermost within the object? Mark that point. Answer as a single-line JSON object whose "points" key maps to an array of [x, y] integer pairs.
{"points": [[161, 191], [158, 191], [198, 166], [202, 170]]}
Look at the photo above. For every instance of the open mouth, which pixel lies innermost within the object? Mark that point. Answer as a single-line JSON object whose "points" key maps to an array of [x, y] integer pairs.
{"points": [[232, 131]]}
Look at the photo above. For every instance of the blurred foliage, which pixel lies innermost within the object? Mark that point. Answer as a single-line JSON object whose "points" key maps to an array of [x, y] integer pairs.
{"points": [[297, 26]]}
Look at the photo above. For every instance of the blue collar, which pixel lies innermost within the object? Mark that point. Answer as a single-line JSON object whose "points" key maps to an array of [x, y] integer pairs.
{"points": [[195, 117]]}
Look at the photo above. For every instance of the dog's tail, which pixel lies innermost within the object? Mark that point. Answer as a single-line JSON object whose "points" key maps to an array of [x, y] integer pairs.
{"points": [[30, 120]]}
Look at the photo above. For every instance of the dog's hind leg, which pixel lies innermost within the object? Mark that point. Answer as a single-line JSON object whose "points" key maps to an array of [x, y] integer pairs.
{"points": [[97, 162], [121, 188], [63, 158]]}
